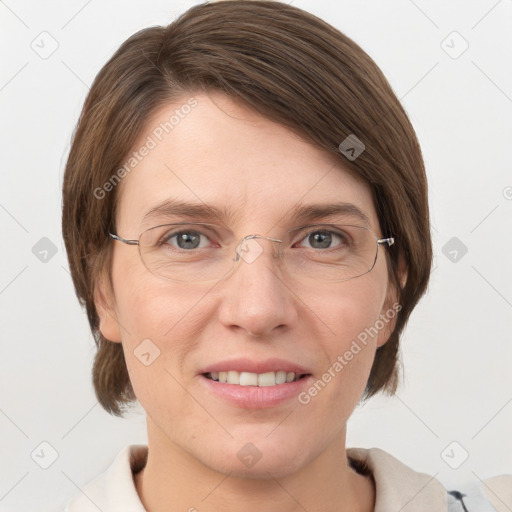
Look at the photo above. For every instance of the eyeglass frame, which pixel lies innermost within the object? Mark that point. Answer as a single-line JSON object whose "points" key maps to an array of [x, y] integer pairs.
{"points": [[388, 241]]}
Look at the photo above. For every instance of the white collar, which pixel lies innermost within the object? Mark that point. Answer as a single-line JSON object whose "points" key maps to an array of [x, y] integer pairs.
{"points": [[397, 486], [114, 490]]}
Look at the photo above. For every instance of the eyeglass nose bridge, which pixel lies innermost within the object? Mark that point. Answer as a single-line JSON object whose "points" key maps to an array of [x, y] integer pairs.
{"points": [[249, 250]]}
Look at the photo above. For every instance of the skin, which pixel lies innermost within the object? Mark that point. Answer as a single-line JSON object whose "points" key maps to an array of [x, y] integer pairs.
{"points": [[227, 155]]}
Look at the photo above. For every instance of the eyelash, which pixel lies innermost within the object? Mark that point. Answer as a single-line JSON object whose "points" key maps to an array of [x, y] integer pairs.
{"points": [[341, 236], [328, 231]]}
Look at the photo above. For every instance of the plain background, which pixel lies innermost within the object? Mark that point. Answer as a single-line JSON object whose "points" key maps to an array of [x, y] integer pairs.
{"points": [[455, 399]]}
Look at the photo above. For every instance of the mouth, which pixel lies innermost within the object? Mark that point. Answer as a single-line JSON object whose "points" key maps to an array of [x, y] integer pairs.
{"points": [[266, 379], [252, 383]]}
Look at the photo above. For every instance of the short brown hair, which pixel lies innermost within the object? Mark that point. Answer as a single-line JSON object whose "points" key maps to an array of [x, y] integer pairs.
{"points": [[294, 69]]}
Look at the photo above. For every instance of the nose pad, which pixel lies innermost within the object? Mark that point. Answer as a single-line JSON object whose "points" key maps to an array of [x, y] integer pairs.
{"points": [[249, 249]]}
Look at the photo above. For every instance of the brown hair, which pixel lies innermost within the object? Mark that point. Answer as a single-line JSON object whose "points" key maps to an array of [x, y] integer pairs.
{"points": [[294, 69]]}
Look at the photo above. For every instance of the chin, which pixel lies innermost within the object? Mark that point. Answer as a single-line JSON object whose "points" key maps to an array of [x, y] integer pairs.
{"points": [[274, 467], [260, 459]]}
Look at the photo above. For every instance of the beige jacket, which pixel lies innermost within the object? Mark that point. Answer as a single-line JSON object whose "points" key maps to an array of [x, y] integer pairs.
{"points": [[398, 488]]}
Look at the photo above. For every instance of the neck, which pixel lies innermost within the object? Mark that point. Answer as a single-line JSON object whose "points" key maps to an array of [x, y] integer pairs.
{"points": [[173, 480]]}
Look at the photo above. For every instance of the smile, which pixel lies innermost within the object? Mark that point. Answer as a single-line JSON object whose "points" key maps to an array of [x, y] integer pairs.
{"points": [[254, 379]]}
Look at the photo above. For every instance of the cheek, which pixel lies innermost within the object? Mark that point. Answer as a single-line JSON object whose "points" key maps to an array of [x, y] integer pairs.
{"points": [[158, 310], [156, 318], [161, 325], [349, 308], [347, 316], [147, 306]]}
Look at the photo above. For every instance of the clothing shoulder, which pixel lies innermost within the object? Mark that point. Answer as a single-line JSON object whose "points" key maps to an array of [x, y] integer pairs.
{"points": [[397, 485], [113, 490]]}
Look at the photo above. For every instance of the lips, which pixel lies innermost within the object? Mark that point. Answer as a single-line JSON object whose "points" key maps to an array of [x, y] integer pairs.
{"points": [[252, 366], [250, 396], [253, 384]]}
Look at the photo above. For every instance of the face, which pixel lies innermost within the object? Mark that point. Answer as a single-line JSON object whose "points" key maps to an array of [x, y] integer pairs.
{"points": [[259, 318]]}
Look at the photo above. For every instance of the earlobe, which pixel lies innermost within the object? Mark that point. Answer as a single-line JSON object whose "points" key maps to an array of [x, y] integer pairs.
{"points": [[104, 302], [402, 272], [387, 319], [392, 307]]}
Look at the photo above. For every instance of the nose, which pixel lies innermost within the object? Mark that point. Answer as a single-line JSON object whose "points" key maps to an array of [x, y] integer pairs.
{"points": [[256, 299]]}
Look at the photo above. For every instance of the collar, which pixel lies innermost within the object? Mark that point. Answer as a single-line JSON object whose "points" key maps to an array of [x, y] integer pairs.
{"points": [[397, 486], [114, 490]]}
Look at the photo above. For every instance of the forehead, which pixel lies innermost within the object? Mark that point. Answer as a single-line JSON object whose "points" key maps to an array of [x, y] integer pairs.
{"points": [[210, 150]]}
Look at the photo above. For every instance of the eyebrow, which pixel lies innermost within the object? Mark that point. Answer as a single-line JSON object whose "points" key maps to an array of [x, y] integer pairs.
{"points": [[177, 208], [207, 212], [311, 212]]}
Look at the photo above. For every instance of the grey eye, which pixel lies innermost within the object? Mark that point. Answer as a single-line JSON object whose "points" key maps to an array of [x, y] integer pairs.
{"points": [[186, 240], [323, 239], [320, 240]]}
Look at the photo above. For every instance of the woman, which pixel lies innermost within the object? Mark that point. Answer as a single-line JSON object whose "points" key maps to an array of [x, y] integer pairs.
{"points": [[276, 193]]}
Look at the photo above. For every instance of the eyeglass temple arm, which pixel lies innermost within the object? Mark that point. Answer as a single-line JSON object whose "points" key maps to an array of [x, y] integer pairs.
{"points": [[129, 242]]}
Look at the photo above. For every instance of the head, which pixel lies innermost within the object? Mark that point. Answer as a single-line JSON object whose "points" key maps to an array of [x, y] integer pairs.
{"points": [[251, 116]]}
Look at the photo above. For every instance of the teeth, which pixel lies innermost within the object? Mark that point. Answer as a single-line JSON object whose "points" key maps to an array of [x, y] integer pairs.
{"points": [[247, 379], [253, 379], [280, 377], [233, 377], [267, 379]]}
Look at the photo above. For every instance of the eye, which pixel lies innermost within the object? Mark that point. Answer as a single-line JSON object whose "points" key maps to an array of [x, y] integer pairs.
{"points": [[185, 239], [324, 239]]}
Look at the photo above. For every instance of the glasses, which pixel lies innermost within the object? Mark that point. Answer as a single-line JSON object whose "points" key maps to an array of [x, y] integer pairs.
{"points": [[202, 252]]}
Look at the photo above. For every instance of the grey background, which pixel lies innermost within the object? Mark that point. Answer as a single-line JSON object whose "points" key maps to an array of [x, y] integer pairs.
{"points": [[455, 401]]}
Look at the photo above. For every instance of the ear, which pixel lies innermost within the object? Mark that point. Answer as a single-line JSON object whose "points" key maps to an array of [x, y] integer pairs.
{"points": [[391, 308], [104, 302]]}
